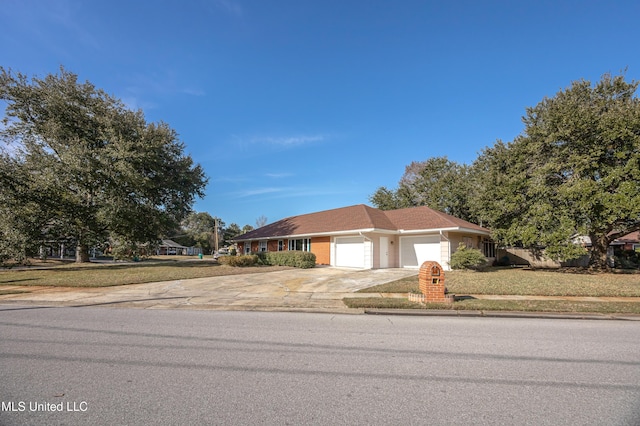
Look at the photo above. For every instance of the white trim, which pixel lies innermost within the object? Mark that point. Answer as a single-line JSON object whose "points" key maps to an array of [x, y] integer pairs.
{"points": [[305, 245], [439, 230]]}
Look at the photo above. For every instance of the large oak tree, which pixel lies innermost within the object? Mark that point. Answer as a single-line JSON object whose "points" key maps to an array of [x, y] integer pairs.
{"points": [[83, 167], [574, 171]]}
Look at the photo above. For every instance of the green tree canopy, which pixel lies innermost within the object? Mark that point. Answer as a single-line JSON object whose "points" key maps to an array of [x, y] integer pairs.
{"points": [[84, 167], [575, 170], [438, 182], [230, 232], [200, 228]]}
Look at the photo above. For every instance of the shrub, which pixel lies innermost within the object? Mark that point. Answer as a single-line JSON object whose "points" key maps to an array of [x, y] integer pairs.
{"points": [[296, 259], [243, 260], [625, 261], [467, 258]]}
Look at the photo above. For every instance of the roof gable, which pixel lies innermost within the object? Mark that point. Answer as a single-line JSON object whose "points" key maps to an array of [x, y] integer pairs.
{"points": [[358, 218]]}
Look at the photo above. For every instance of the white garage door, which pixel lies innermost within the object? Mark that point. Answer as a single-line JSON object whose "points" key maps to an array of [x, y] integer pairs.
{"points": [[350, 252], [416, 250]]}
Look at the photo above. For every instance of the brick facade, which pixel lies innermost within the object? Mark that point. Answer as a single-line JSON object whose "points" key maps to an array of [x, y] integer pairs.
{"points": [[431, 282], [321, 247]]}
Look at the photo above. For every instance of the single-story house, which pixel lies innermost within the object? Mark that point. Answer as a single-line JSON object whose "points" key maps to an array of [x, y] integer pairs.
{"points": [[169, 247], [365, 237], [628, 242]]}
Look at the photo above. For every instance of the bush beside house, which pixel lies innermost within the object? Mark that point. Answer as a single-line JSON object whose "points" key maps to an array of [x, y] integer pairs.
{"points": [[244, 260], [296, 259], [467, 258]]}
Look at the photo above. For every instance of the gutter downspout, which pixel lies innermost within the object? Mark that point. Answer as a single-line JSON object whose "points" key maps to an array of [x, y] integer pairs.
{"points": [[370, 247], [449, 241]]}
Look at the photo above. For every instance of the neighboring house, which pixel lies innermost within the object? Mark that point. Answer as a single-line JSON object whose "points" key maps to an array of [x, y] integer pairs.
{"points": [[522, 256], [170, 247], [628, 242], [364, 237]]}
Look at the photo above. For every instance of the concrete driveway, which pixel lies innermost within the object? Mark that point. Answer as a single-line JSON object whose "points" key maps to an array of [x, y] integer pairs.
{"points": [[317, 289]]}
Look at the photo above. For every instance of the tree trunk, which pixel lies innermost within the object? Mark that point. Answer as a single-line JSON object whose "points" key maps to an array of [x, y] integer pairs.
{"points": [[82, 253], [598, 257]]}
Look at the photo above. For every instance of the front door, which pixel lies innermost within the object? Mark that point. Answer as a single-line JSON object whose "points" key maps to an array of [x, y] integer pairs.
{"points": [[384, 252]]}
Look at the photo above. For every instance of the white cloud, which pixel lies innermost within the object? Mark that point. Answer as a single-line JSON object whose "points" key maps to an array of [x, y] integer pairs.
{"points": [[142, 86], [259, 191], [290, 192], [231, 179], [288, 141], [47, 21], [248, 142], [278, 175]]}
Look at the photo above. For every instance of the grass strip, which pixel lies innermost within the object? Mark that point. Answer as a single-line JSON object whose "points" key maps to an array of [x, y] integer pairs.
{"points": [[500, 305], [106, 275]]}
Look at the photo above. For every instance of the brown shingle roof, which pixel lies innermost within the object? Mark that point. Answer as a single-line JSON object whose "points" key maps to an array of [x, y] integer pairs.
{"points": [[633, 237], [359, 217], [415, 218]]}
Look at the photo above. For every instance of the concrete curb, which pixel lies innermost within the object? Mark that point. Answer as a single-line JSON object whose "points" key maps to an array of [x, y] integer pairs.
{"points": [[502, 314], [40, 304]]}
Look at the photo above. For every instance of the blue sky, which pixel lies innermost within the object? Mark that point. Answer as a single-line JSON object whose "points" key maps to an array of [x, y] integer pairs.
{"points": [[296, 106]]}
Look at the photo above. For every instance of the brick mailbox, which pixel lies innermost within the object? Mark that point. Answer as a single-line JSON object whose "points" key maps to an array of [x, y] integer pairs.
{"points": [[431, 283]]}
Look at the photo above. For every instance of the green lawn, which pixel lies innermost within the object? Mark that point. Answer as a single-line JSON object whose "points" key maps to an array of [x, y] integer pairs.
{"points": [[103, 275], [517, 281], [513, 281]]}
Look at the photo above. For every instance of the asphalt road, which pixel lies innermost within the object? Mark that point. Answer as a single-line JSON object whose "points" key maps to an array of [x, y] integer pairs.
{"points": [[170, 367]]}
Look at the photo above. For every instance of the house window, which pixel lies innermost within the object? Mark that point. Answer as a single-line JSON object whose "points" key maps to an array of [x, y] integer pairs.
{"points": [[280, 245], [247, 247], [302, 244], [489, 249], [262, 246]]}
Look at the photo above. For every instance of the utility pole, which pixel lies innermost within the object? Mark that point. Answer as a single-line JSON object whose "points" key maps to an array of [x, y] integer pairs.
{"points": [[216, 235]]}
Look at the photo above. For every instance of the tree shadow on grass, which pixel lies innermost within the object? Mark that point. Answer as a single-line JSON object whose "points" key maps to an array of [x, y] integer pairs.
{"points": [[139, 265], [13, 282]]}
